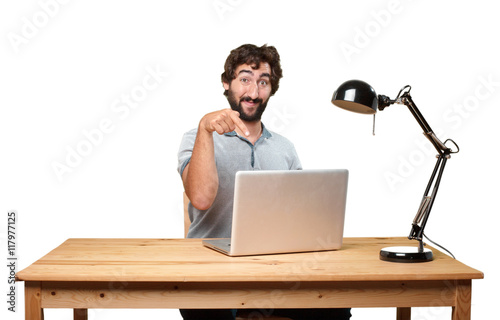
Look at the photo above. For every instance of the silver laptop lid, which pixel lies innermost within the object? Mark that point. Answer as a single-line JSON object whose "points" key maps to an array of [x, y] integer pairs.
{"points": [[288, 211]]}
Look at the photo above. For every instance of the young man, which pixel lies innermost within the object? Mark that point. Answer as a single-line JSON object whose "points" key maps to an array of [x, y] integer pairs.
{"points": [[231, 140]]}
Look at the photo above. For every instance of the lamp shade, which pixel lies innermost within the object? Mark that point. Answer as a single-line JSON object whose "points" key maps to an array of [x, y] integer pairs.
{"points": [[357, 96]]}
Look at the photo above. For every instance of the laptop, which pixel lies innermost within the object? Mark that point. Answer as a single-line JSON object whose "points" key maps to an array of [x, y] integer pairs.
{"points": [[286, 211]]}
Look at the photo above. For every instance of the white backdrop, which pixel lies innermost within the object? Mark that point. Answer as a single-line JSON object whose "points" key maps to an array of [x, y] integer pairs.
{"points": [[95, 96]]}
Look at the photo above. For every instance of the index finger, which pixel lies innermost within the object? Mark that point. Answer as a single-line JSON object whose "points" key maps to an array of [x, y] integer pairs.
{"points": [[235, 116]]}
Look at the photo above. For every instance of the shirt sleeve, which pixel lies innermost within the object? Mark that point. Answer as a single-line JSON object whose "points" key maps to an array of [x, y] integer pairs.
{"points": [[185, 150]]}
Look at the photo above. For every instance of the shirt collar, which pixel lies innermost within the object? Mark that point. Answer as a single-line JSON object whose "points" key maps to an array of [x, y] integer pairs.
{"points": [[266, 133]]}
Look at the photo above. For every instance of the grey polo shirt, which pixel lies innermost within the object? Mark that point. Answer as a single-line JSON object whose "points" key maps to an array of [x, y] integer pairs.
{"points": [[234, 153]]}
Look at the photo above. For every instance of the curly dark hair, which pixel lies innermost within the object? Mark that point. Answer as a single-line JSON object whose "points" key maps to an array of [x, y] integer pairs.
{"points": [[252, 55]]}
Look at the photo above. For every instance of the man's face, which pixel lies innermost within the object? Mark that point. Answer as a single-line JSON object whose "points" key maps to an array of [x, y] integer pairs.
{"points": [[249, 92]]}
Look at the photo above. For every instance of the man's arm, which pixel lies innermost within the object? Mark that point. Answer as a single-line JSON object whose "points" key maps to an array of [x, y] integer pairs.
{"points": [[200, 177]]}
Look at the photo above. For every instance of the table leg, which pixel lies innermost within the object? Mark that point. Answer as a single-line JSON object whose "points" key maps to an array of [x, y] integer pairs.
{"points": [[33, 300], [403, 314], [80, 314], [462, 310]]}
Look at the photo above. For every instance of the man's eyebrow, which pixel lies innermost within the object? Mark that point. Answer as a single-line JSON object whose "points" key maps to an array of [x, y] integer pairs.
{"points": [[245, 71], [265, 74]]}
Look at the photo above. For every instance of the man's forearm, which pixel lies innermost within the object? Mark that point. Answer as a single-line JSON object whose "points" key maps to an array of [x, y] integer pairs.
{"points": [[200, 175]]}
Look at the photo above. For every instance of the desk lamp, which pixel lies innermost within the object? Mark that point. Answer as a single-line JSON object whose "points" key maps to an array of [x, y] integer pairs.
{"points": [[360, 97]]}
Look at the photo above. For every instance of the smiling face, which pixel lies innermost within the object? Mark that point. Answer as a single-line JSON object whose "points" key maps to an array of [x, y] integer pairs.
{"points": [[249, 92]]}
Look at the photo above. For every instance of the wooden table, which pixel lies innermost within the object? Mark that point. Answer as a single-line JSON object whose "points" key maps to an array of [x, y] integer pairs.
{"points": [[181, 273]]}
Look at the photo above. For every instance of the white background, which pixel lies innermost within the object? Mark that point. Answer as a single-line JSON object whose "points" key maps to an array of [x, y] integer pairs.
{"points": [[66, 68]]}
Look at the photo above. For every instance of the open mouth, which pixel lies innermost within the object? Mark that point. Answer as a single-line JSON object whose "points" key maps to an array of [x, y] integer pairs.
{"points": [[251, 102]]}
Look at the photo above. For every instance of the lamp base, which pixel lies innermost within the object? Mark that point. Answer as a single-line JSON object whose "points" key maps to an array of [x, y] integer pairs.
{"points": [[405, 254]]}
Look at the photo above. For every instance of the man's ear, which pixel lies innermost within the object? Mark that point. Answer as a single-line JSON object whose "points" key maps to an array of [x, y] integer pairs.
{"points": [[225, 85]]}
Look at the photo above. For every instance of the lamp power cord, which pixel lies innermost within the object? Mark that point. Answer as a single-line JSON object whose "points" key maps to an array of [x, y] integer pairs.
{"points": [[440, 246]]}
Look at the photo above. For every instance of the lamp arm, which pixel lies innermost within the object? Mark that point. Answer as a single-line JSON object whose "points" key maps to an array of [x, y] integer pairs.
{"points": [[420, 220], [429, 134]]}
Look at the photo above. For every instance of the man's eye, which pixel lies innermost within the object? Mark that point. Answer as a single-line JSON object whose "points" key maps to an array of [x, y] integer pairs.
{"points": [[244, 80], [263, 82]]}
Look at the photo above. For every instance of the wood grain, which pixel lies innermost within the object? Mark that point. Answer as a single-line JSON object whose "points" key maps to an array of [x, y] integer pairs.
{"points": [[80, 314], [187, 260], [462, 308], [403, 314], [248, 294], [33, 300], [182, 273]]}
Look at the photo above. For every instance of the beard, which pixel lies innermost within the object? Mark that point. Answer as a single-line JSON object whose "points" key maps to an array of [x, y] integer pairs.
{"points": [[236, 106]]}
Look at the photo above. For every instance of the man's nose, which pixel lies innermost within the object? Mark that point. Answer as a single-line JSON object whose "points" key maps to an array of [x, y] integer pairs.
{"points": [[253, 91]]}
